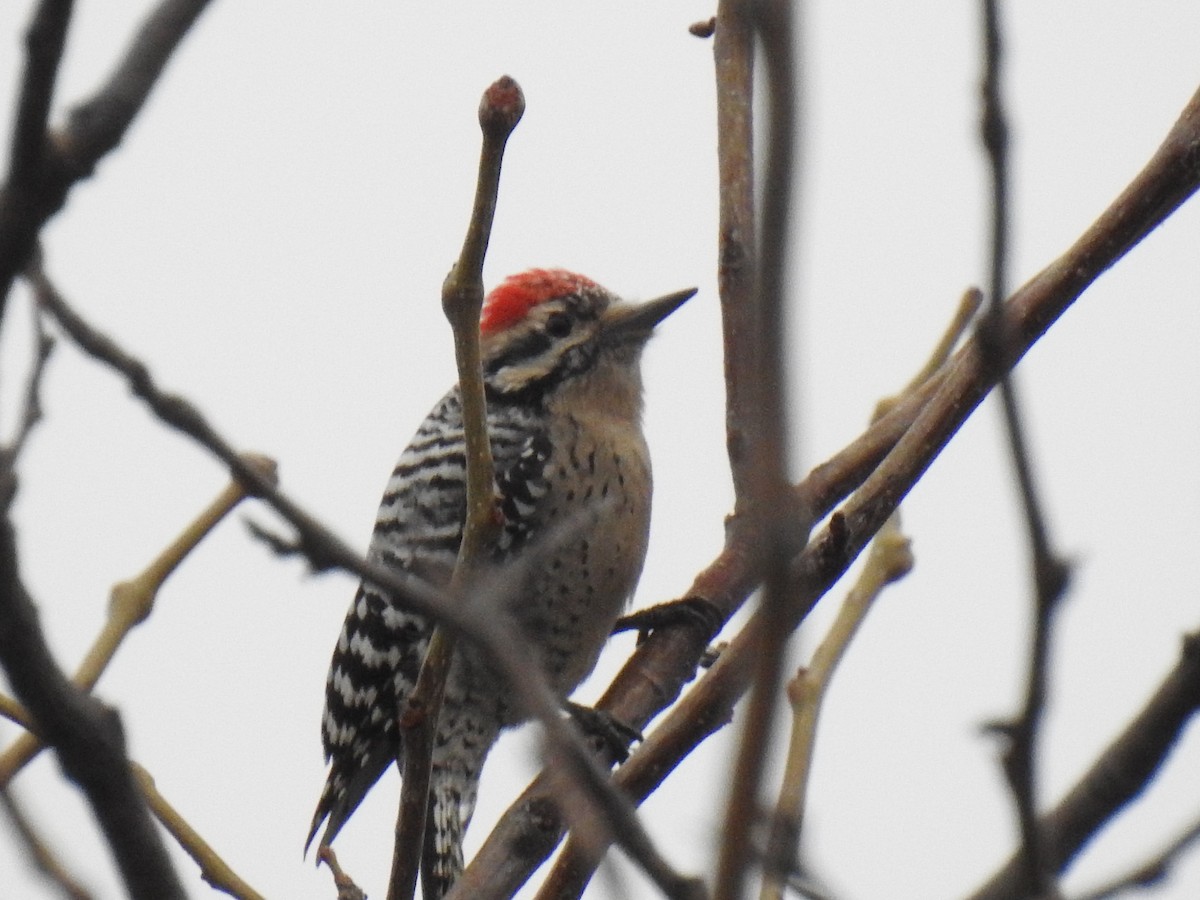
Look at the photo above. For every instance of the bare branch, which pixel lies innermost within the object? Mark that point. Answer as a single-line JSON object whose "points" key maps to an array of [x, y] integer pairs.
{"points": [[500, 109], [1050, 573], [889, 559], [1152, 872], [35, 192], [40, 852], [213, 869], [733, 54], [86, 735], [131, 603], [15, 713], [1119, 774], [31, 407], [346, 888], [44, 42], [752, 303]]}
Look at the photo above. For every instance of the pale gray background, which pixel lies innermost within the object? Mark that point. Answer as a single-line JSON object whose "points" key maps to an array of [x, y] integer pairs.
{"points": [[271, 238]]}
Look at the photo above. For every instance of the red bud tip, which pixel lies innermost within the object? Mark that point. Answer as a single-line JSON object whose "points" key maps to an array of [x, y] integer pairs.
{"points": [[502, 106]]}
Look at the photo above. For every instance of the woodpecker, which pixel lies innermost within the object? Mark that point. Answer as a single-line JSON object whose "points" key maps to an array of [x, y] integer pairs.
{"points": [[561, 366]]}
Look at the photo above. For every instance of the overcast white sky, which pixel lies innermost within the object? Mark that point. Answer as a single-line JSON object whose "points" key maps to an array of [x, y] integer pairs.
{"points": [[271, 238]]}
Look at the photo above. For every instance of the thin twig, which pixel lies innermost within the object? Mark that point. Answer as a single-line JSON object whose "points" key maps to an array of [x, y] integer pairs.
{"points": [[130, 604], [1151, 873], [31, 406], [1050, 573], [213, 869], [889, 559], [1118, 775], [346, 888], [40, 852], [93, 129], [500, 109], [15, 713]]}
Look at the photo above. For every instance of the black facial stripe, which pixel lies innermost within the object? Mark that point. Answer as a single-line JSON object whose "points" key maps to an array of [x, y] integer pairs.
{"points": [[526, 347]]}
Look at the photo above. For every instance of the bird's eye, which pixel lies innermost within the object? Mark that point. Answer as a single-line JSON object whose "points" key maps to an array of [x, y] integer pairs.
{"points": [[558, 324]]}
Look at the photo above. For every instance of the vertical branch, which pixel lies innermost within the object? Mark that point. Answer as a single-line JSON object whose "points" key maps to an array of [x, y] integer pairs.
{"points": [[889, 559], [733, 56], [31, 414], [1050, 573], [500, 110], [761, 423], [462, 299]]}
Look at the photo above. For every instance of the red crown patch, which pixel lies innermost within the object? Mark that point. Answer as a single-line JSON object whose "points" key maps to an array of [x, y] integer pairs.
{"points": [[516, 295]]}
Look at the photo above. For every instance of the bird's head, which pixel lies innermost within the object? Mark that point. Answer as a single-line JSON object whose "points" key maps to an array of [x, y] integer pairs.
{"points": [[543, 328]]}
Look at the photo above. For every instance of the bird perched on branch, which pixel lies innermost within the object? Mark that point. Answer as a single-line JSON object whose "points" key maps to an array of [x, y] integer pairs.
{"points": [[561, 366]]}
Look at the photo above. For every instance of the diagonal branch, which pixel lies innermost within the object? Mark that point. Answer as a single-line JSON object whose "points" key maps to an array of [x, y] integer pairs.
{"points": [[1150, 873], [40, 853], [213, 869], [131, 603]]}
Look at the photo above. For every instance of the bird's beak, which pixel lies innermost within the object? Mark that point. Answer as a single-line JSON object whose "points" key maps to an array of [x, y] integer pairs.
{"points": [[628, 321]]}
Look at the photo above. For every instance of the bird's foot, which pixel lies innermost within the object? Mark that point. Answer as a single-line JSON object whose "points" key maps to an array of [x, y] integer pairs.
{"points": [[688, 611], [609, 732]]}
